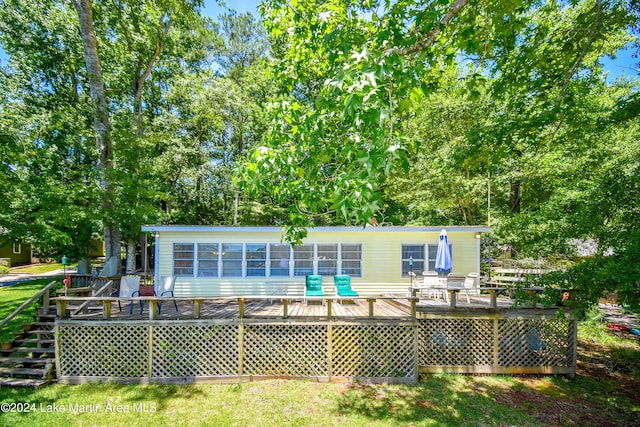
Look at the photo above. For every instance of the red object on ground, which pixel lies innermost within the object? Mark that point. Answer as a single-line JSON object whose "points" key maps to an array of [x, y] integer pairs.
{"points": [[616, 327]]}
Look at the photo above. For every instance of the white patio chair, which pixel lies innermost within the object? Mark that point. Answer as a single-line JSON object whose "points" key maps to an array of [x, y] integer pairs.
{"points": [[456, 280], [472, 284], [129, 287], [431, 282], [164, 289]]}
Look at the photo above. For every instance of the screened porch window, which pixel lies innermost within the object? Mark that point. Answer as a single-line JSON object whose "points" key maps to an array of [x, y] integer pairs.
{"points": [[232, 260], [327, 259], [432, 252], [303, 260], [351, 256], [183, 259], [208, 259], [256, 260], [279, 259], [417, 253]]}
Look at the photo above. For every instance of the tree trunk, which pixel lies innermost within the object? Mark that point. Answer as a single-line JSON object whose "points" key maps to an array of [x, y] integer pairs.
{"points": [[84, 266], [102, 125], [514, 197], [131, 256]]}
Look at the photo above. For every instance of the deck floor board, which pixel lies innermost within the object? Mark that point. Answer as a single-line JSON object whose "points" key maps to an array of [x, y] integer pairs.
{"points": [[225, 308]]}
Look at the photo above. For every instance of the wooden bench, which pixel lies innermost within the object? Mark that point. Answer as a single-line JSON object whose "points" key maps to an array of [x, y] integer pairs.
{"points": [[512, 277]]}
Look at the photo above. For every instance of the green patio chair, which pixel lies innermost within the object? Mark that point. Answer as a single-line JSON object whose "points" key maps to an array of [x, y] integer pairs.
{"points": [[313, 286], [343, 287]]}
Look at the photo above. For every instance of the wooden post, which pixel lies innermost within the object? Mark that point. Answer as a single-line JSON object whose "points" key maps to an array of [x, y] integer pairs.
{"points": [[153, 309], [573, 330], [413, 308], [61, 308], [453, 297], [56, 337], [240, 349], [329, 350], [285, 307], [241, 308], [493, 295], [371, 303], [106, 309], [329, 308], [496, 344], [196, 308], [45, 301], [150, 351]]}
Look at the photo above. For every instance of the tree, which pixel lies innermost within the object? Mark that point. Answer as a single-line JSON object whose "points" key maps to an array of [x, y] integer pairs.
{"points": [[102, 124], [354, 72]]}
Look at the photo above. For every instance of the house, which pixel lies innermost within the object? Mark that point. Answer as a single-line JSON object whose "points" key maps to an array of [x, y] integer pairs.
{"points": [[17, 253], [249, 261]]}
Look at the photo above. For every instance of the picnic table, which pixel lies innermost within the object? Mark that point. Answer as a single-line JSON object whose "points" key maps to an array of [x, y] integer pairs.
{"points": [[511, 277]]}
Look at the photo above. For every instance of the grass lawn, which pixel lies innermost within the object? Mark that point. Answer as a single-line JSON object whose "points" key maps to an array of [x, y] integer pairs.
{"points": [[11, 297], [41, 268], [604, 393]]}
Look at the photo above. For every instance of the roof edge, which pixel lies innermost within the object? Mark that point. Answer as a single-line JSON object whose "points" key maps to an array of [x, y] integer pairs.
{"points": [[328, 229]]}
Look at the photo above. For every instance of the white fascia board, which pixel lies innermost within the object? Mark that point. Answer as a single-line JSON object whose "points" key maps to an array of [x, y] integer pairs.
{"points": [[273, 229]]}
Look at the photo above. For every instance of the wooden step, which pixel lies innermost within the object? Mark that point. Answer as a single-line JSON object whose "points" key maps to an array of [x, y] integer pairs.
{"points": [[34, 332], [46, 317], [27, 372], [34, 341], [43, 325], [23, 382], [15, 350], [25, 360]]}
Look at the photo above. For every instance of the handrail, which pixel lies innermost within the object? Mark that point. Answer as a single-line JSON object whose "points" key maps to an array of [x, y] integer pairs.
{"points": [[153, 302], [27, 303], [97, 294]]}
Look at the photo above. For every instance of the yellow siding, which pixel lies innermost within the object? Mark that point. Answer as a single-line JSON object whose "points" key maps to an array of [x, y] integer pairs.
{"points": [[381, 261]]}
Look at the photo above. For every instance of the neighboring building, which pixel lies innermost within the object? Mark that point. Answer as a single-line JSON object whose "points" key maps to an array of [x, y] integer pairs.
{"points": [[237, 261], [18, 253]]}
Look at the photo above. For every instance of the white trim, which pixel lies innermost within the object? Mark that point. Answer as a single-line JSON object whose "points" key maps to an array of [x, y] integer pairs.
{"points": [[156, 259], [392, 229]]}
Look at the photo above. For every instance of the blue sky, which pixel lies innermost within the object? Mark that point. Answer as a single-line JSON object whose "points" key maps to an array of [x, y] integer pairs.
{"points": [[622, 64]]}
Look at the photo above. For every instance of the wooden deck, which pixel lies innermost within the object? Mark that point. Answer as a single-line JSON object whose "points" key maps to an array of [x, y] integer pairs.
{"points": [[388, 306]]}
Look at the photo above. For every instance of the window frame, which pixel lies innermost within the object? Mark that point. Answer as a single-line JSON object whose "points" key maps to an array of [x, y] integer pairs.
{"points": [[342, 259], [19, 250], [192, 259], [216, 259], [416, 269]]}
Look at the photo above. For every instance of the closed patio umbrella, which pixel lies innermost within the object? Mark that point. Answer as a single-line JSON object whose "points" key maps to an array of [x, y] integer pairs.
{"points": [[444, 262]]}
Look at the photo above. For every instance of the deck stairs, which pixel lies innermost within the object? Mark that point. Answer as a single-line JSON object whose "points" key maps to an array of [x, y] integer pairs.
{"points": [[29, 360]]}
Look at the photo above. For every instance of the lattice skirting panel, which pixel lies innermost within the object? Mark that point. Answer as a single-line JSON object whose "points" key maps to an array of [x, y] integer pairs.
{"points": [[235, 350], [498, 344]]}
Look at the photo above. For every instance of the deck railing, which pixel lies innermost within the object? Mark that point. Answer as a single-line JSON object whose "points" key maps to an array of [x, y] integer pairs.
{"points": [[44, 293], [197, 302], [328, 348]]}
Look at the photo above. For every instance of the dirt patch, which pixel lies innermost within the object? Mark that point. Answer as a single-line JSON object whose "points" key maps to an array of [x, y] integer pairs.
{"points": [[555, 411]]}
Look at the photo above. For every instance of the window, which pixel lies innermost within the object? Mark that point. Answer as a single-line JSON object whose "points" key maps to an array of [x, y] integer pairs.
{"points": [[433, 251], [303, 260], [208, 259], [17, 248], [213, 260], [417, 253], [256, 260], [183, 259], [327, 259], [351, 256], [279, 259], [232, 259]]}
